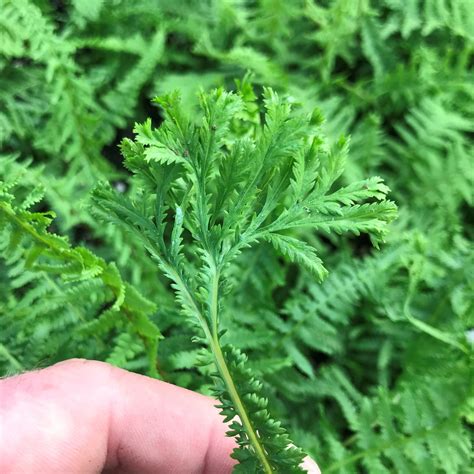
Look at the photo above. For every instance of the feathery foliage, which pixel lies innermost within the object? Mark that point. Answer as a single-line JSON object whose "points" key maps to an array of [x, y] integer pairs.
{"points": [[251, 240], [194, 215], [56, 288]]}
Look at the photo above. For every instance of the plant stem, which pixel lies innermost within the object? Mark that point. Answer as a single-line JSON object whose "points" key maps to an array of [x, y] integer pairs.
{"points": [[239, 406], [213, 339], [227, 377]]}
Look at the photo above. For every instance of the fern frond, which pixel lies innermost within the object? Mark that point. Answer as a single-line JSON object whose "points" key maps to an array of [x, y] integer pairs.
{"points": [[217, 223], [64, 272], [394, 433], [242, 201], [298, 252]]}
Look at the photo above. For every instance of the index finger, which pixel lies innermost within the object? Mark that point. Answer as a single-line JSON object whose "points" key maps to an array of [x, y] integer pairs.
{"points": [[84, 416]]}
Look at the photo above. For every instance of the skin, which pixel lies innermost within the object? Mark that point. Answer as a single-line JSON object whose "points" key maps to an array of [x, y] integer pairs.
{"points": [[84, 417]]}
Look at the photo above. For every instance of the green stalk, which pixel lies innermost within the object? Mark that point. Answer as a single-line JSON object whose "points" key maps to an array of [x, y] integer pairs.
{"points": [[234, 395], [227, 377], [213, 338]]}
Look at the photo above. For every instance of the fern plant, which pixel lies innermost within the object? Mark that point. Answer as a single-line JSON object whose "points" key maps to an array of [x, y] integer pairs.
{"points": [[213, 185], [395, 76], [56, 288]]}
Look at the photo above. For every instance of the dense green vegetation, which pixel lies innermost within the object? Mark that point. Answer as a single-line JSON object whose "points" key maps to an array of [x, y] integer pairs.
{"points": [[247, 249]]}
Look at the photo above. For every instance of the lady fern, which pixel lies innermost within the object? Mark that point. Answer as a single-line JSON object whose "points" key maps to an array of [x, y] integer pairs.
{"points": [[60, 287], [195, 215], [337, 359]]}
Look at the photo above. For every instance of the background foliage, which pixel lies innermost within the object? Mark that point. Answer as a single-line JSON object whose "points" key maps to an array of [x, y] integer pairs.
{"points": [[370, 370]]}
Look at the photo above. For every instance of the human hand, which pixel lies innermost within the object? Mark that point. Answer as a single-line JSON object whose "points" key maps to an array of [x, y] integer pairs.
{"points": [[86, 417]]}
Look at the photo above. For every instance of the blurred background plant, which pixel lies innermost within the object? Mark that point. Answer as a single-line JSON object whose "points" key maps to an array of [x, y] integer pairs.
{"points": [[372, 370]]}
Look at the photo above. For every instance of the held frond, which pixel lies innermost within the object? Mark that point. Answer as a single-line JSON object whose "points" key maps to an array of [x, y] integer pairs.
{"points": [[195, 214]]}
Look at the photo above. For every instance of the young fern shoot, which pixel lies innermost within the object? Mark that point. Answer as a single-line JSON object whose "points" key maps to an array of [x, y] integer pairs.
{"points": [[211, 185]]}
